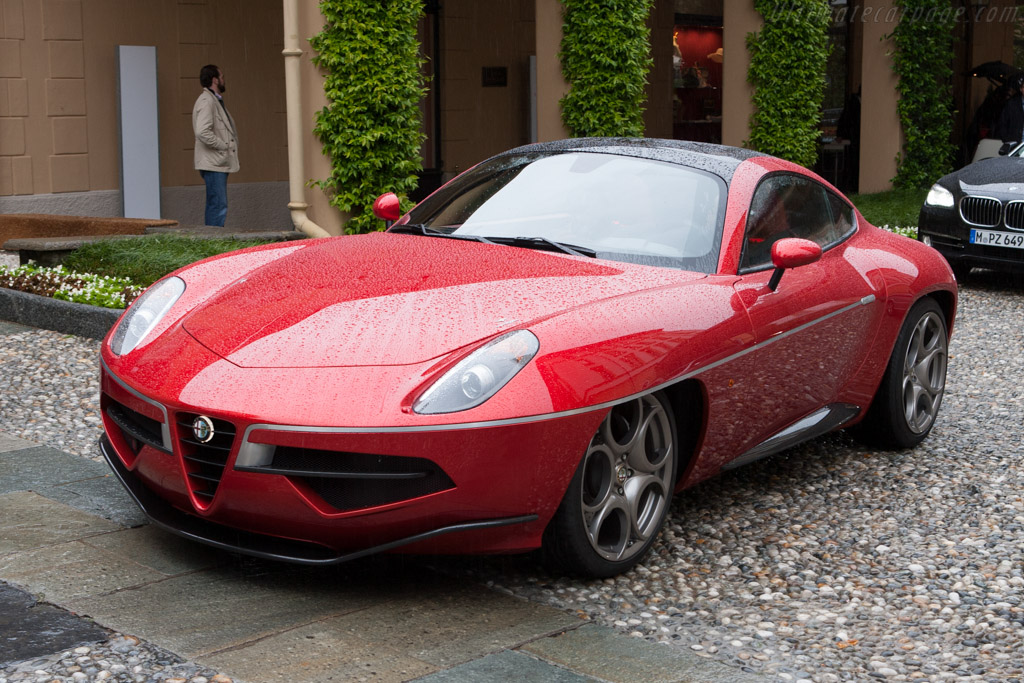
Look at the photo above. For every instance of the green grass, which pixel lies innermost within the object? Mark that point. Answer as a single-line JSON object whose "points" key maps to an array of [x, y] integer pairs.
{"points": [[145, 260], [892, 209]]}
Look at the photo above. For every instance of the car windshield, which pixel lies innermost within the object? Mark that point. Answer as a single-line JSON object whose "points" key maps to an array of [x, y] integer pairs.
{"points": [[623, 208]]}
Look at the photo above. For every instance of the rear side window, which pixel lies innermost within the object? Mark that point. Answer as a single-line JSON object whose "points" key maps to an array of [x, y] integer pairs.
{"points": [[792, 206]]}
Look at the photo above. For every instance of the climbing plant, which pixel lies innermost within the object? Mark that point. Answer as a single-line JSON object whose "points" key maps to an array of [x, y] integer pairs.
{"points": [[788, 57], [370, 128], [923, 41], [605, 54]]}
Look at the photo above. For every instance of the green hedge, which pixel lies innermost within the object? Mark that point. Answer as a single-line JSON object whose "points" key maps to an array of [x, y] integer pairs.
{"points": [[788, 57], [605, 59], [922, 59], [370, 127]]}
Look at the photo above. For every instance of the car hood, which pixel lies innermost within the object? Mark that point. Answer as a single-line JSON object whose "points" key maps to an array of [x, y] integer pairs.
{"points": [[1001, 175], [385, 299]]}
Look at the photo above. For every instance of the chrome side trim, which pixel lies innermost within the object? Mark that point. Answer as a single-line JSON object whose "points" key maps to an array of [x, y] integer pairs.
{"points": [[165, 428], [552, 416]]}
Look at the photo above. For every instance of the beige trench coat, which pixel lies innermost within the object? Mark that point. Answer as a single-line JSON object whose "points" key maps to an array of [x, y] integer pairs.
{"points": [[216, 137]]}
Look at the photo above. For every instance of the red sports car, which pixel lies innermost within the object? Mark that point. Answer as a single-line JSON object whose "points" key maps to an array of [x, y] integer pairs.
{"points": [[537, 355]]}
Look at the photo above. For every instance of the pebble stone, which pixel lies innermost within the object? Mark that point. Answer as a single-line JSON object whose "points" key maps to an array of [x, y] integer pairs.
{"points": [[120, 659], [829, 562]]}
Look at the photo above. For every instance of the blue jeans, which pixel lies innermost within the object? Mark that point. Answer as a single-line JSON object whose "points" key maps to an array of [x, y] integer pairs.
{"points": [[216, 197]]}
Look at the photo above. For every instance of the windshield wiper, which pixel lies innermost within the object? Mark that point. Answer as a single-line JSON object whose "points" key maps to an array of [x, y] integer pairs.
{"points": [[421, 229], [546, 244]]}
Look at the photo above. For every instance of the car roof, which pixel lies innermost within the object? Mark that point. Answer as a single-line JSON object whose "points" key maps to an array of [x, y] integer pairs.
{"points": [[718, 159]]}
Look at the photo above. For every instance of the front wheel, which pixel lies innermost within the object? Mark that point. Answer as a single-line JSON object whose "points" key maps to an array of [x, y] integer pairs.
{"points": [[619, 496], [907, 402]]}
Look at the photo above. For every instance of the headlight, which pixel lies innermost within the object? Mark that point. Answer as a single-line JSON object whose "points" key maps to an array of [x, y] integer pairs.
{"points": [[480, 375], [939, 196], [145, 313]]}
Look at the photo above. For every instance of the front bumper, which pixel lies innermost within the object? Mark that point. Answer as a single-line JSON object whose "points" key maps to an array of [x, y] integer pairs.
{"points": [[948, 234], [194, 528], [319, 495]]}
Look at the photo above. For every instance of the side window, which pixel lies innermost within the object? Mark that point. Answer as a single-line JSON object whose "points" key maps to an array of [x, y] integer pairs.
{"points": [[843, 216], [791, 206]]}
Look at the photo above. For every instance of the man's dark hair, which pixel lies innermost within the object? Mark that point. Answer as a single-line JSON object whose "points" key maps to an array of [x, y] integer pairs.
{"points": [[207, 74]]}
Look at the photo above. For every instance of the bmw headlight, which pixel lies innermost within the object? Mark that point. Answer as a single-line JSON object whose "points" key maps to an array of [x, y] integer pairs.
{"points": [[479, 375], [939, 196], [145, 313]]}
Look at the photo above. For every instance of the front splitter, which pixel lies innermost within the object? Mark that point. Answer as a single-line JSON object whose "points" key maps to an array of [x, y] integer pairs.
{"points": [[194, 528]]}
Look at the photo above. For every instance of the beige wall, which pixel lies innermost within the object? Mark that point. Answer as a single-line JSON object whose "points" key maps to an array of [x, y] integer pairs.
{"points": [[881, 137], [58, 116], [316, 166], [477, 122], [551, 87], [740, 18]]}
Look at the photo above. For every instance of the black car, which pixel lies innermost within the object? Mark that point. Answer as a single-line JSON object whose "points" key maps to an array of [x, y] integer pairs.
{"points": [[975, 216]]}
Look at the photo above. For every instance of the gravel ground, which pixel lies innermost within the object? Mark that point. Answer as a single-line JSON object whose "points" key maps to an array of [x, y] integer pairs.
{"points": [[830, 562], [122, 659]]}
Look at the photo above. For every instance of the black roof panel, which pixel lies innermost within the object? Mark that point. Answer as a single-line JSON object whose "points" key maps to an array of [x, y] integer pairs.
{"points": [[718, 159]]}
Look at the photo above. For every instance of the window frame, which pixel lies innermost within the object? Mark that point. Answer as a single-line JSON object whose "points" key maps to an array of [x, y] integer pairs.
{"points": [[829, 193]]}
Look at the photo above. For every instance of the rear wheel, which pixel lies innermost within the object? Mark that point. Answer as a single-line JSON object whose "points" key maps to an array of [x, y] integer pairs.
{"points": [[619, 496], [907, 402]]}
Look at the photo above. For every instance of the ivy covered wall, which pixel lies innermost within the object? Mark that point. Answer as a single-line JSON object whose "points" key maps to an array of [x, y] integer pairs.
{"points": [[370, 128], [788, 57], [605, 60]]}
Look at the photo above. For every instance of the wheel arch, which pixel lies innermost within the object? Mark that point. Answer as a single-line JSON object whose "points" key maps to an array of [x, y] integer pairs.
{"points": [[689, 404], [947, 302]]}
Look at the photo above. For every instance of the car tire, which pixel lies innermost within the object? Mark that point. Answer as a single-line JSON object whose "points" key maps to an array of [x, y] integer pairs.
{"points": [[907, 402], [620, 494]]}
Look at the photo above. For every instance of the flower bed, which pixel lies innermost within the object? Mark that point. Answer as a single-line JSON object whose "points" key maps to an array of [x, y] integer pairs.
{"points": [[60, 283]]}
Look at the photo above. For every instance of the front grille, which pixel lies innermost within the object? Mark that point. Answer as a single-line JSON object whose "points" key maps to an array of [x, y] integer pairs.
{"points": [[352, 481], [1014, 218], [137, 429], [983, 211], [204, 462]]}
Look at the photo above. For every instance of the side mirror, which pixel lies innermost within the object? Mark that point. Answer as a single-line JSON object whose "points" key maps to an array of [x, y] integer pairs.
{"points": [[792, 252], [387, 208]]}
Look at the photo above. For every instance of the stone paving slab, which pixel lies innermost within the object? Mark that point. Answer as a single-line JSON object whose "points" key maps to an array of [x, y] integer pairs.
{"points": [[442, 624], [13, 443], [610, 656], [69, 571], [31, 630], [505, 666], [29, 521], [319, 652], [78, 482], [160, 551]]}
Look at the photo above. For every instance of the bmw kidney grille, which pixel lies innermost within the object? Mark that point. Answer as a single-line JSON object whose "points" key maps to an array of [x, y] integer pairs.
{"points": [[983, 211]]}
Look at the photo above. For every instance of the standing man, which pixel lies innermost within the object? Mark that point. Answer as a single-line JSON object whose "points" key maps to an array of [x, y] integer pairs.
{"points": [[216, 152]]}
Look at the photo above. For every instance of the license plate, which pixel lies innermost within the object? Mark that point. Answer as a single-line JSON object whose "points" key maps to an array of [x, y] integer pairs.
{"points": [[1013, 240]]}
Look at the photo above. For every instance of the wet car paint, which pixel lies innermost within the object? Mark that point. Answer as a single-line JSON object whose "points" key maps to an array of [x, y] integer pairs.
{"points": [[325, 345]]}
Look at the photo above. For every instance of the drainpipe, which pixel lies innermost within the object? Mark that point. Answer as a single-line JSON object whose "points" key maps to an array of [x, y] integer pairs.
{"points": [[296, 187]]}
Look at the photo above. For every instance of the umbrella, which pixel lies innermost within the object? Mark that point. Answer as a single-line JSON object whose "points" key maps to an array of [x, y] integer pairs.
{"points": [[997, 72]]}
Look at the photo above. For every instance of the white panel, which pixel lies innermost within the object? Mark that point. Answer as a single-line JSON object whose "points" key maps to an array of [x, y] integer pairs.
{"points": [[140, 131]]}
